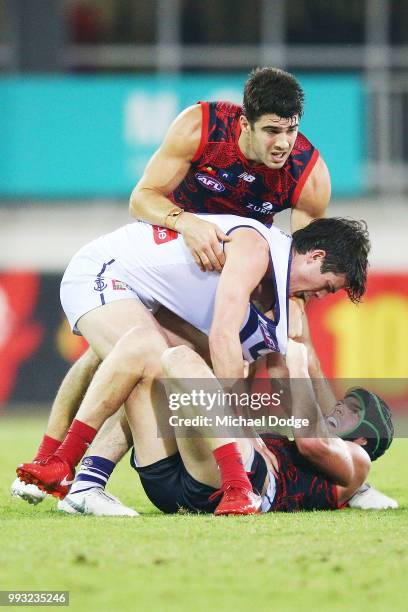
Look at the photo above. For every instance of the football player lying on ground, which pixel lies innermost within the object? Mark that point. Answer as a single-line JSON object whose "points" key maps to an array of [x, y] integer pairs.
{"points": [[316, 471], [87, 494], [124, 333]]}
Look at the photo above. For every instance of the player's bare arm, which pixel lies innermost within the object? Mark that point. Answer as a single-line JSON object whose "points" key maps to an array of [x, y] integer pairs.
{"points": [[314, 197], [247, 259], [321, 386], [296, 315], [275, 362], [299, 330], [344, 462], [164, 172]]}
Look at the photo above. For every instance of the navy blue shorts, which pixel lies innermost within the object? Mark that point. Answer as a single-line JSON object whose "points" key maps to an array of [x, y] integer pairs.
{"points": [[171, 488]]}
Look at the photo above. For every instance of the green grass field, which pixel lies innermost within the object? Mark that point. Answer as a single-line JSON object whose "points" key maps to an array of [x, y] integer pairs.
{"points": [[348, 560]]}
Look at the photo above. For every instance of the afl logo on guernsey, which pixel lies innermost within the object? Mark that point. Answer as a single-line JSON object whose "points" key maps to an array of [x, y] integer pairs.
{"points": [[209, 182]]}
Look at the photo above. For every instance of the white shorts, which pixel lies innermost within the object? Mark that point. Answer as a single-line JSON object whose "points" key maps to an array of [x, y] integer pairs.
{"points": [[93, 279]]}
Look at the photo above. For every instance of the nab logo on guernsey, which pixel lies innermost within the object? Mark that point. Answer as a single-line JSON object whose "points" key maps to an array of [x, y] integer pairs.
{"points": [[209, 182], [163, 234], [249, 178]]}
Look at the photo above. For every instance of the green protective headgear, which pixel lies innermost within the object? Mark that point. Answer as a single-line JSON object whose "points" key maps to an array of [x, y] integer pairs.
{"points": [[375, 423]]}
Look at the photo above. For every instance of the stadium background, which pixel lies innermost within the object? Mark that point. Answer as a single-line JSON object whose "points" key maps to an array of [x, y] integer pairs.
{"points": [[87, 91]]}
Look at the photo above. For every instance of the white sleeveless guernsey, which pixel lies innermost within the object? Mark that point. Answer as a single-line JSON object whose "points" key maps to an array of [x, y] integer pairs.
{"points": [[164, 270]]}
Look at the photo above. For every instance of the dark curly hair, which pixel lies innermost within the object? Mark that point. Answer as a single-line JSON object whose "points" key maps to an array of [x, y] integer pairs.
{"points": [[272, 91], [346, 244]]}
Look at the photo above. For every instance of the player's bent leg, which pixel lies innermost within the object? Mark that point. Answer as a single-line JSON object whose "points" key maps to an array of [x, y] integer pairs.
{"points": [[63, 411], [123, 367], [114, 438], [135, 359], [146, 411], [155, 456], [71, 393], [211, 460], [182, 365]]}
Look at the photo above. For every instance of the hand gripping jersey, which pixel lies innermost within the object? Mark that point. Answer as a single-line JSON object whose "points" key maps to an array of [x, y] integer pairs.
{"points": [[221, 179], [299, 485], [162, 270]]}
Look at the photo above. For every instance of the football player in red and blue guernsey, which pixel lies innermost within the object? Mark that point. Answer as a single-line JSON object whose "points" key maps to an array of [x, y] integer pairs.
{"points": [[252, 161]]}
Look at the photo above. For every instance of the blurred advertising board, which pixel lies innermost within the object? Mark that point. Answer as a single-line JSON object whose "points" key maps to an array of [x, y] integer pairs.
{"points": [[91, 136], [353, 342]]}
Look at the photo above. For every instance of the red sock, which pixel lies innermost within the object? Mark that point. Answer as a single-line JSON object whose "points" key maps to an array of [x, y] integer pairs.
{"points": [[79, 437], [232, 471], [47, 448]]}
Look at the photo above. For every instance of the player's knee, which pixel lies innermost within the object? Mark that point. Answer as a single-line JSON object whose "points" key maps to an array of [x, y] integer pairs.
{"points": [[174, 360], [140, 350]]}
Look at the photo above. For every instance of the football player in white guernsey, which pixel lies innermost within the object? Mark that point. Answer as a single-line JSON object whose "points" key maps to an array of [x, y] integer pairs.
{"points": [[110, 286]]}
